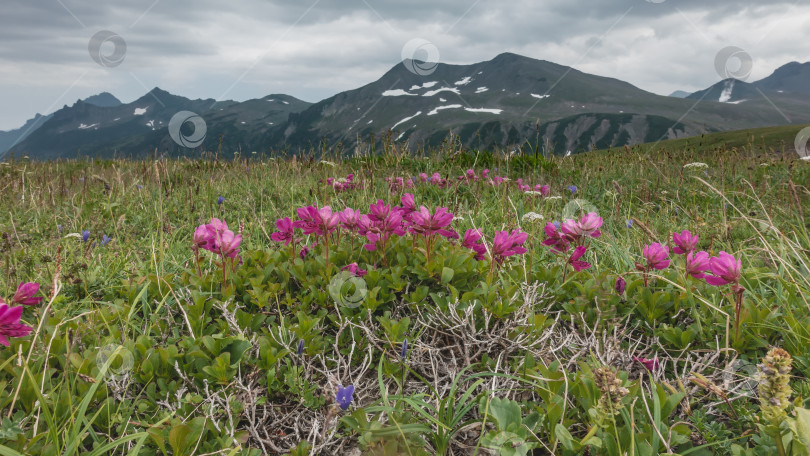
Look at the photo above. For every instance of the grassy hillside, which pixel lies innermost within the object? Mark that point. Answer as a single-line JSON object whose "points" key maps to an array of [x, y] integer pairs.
{"points": [[778, 139], [150, 340]]}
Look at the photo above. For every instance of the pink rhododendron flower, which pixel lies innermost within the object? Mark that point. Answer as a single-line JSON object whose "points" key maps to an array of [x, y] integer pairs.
{"points": [[621, 284], [697, 263], [427, 224], [472, 240], [10, 325], [556, 240], [205, 237], [228, 244], [656, 255], [350, 219], [318, 222], [354, 269], [218, 225], [408, 206], [471, 175], [285, 233], [423, 177], [725, 269], [378, 211], [652, 365], [497, 180], [25, 294], [506, 244], [684, 242], [588, 225], [304, 252], [485, 173], [543, 189], [575, 261]]}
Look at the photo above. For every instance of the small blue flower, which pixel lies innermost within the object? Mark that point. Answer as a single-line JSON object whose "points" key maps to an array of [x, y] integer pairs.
{"points": [[629, 223], [60, 227], [105, 240], [428, 179], [572, 188], [556, 224], [300, 347], [220, 200], [85, 235], [496, 170], [344, 396], [404, 353], [140, 187]]}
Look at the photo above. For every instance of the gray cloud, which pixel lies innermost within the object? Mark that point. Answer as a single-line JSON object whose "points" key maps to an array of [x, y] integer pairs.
{"points": [[312, 49]]}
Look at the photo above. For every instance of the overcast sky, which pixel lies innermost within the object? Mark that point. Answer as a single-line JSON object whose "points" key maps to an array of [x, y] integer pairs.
{"points": [[242, 49]]}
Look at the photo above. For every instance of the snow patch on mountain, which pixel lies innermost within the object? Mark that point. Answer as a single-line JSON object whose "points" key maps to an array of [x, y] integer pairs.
{"points": [[725, 95], [430, 93], [406, 119], [139, 111], [438, 108], [481, 90], [464, 81], [489, 110], [396, 93]]}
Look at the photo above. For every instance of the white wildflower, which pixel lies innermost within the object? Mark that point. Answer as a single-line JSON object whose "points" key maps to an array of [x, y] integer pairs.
{"points": [[695, 165], [531, 217], [325, 162], [554, 197]]}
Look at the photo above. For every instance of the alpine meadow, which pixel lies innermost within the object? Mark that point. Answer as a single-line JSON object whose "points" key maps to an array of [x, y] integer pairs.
{"points": [[510, 257]]}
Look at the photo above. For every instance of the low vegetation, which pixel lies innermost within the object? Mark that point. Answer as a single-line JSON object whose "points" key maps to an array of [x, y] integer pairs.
{"points": [[649, 300]]}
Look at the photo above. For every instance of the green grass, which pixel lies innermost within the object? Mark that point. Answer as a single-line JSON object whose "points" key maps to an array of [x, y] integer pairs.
{"points": [[502, 359]]}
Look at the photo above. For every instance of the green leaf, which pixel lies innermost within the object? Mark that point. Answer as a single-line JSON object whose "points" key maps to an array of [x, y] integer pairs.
{"points": [[447, 275], [564, 437], [803, 426], [506, 413], [178, 438]]}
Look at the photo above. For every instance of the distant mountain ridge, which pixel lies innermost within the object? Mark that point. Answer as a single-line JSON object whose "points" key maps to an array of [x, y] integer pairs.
{"points": [[10, 138], [508, 101]]}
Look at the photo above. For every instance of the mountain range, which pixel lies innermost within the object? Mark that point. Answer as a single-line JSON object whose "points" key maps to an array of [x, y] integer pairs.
{"points": [[508, 101]]}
